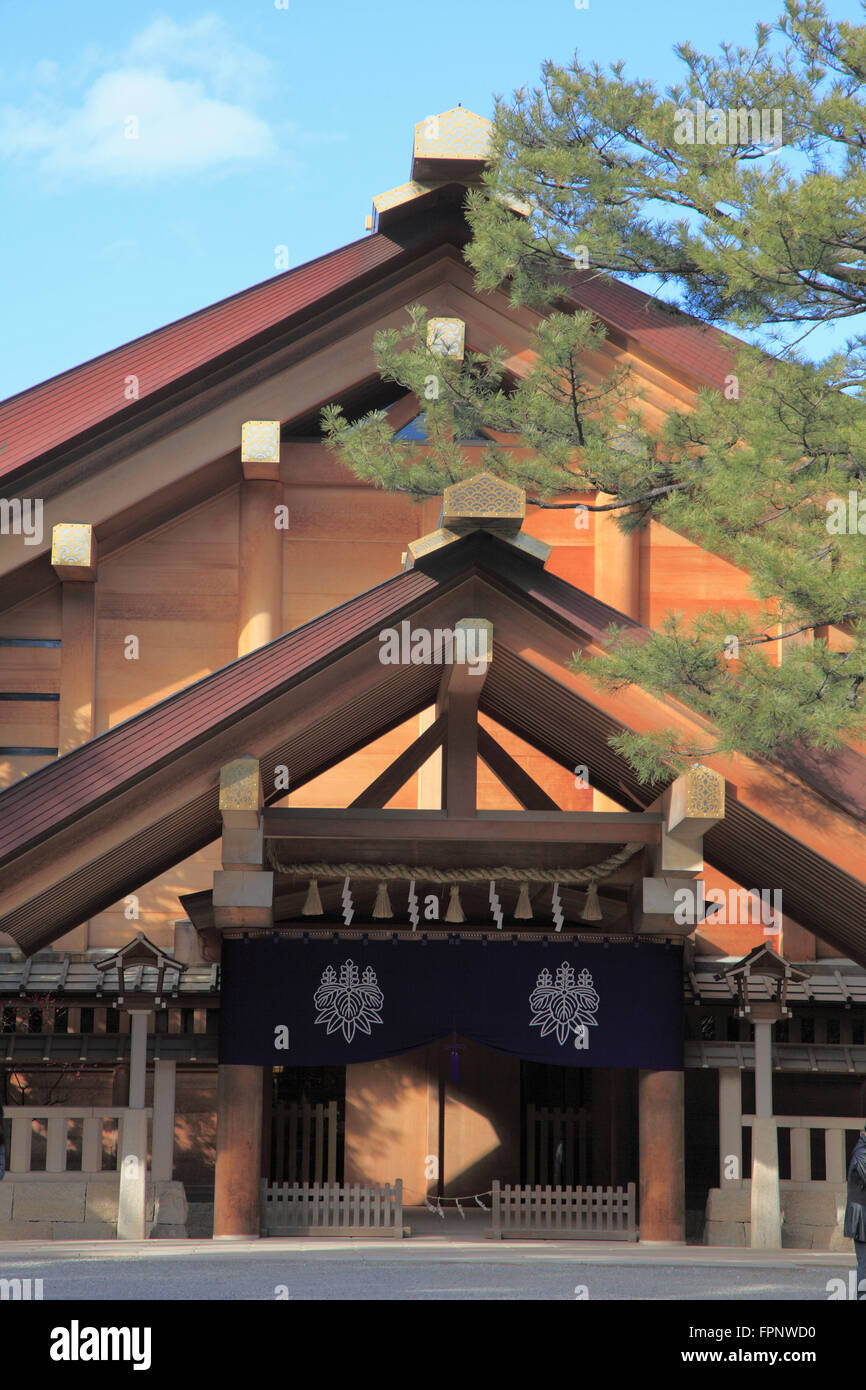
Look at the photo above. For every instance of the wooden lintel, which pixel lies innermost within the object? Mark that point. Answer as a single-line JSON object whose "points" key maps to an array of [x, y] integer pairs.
{"points": [[511, 827], [523, 788], [395, 776]]}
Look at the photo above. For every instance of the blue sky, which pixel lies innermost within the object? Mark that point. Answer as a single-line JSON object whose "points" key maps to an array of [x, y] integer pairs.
{"points": [[258, 127]]}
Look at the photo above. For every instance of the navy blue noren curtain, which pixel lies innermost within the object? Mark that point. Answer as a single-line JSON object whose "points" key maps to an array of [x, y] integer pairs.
{"points": [[330, 1003]]}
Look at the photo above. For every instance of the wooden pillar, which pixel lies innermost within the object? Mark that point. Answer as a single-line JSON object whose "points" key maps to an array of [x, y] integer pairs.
{"points": [[617, 561], [459, 693], [73, 556], [162, 1147], [239, 1153], [730, 1126], [662, 1156], [766, 1213], [132, 1199], [242, 897], [260, 550], [616, 582]]}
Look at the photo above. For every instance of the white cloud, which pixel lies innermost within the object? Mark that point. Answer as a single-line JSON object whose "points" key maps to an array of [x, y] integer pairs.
{"points": [[190, 90], [205, 47]]}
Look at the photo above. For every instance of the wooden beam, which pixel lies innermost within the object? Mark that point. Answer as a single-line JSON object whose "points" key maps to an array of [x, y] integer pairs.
{"points": [[386, 828], [523, 788], [397, 774]]}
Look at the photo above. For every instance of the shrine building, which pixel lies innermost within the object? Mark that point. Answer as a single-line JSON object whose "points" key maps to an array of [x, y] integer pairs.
{"points": [[325, 902]]}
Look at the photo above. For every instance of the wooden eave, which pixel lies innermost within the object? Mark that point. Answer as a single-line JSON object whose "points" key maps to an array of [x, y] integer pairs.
{"points": [[81, 832]]}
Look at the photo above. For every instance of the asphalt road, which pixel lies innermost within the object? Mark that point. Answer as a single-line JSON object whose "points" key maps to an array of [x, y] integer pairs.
{"points": [[359, 1276]]}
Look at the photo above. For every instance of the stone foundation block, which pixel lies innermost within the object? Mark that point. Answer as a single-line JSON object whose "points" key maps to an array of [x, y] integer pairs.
{"points": [[48, 1201], [25, 1230], [725, 1233], [797, 1237], [728, 1204], [102, 1203], [813, 1207], [83, 1230]]}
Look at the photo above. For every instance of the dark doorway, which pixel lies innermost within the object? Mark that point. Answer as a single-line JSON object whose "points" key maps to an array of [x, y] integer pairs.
{"points": [[579, 1125], [308, 1124]]}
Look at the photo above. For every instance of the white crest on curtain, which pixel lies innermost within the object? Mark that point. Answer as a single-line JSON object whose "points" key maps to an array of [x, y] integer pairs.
{"points": [[564, 1005], [350, 1001]]}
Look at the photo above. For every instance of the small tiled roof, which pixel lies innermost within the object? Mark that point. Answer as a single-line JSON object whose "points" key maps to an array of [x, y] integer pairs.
{"points": [[67, 979]]}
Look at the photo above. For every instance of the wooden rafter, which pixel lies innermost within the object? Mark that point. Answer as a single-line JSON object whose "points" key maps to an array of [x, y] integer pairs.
{"points": [[523, 788], [395, 776]]}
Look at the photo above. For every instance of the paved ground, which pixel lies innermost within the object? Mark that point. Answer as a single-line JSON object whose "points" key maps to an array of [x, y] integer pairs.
{"points": [[425, 1269]]}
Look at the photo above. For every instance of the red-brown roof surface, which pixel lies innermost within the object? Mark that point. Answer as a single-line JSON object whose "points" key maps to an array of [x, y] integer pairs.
{"points": [[47, 416]]}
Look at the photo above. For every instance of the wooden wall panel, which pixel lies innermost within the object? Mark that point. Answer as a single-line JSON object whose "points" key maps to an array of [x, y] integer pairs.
{"points": [[176, 591]]}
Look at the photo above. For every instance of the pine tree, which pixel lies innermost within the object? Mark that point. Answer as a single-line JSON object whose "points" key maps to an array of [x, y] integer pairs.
{"points": [[758, 228]]}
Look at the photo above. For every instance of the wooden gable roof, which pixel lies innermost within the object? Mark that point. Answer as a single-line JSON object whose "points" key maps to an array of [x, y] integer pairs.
{"points": [[86, 406], [82, 832]]}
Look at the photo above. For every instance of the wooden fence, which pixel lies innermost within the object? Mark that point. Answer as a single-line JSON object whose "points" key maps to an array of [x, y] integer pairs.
{"points": [[838, 1136], [53, 1139], [564, 1213], [326, 1209], [557, 1145], [304, 1143]]}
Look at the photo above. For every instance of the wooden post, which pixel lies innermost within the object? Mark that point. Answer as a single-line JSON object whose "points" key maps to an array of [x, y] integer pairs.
{"points": [[239, 1156], [730, 1126], [662, 1157], [459, 693], [617, 561], [243, 896], [766, 1213], [131, 1208], [164, 1082], [73, 557], [260, 554]]}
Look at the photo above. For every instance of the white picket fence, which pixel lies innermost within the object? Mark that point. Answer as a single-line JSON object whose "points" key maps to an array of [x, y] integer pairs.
{"points": [[328, 1209], [836, 1131], [54, 1139], [564, 1213]]}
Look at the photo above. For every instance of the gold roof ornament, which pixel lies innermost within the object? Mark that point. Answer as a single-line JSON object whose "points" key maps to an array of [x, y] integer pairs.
{"points": [[447, 338], [452, 147], [484, 502], [73, 550], [480, 503]]}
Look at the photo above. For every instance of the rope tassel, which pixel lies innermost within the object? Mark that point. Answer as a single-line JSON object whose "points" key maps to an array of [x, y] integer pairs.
{"points": [[455, 908], [382, 906], [313, 905], [592, 907], [523, 910]]}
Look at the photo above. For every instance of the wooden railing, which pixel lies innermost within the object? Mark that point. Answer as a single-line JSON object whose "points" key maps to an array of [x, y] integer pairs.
{"points": [[325, 1209], [304, 1142], [836, 1130], [564, 1213], [54, 1139], [556, 1145]]}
